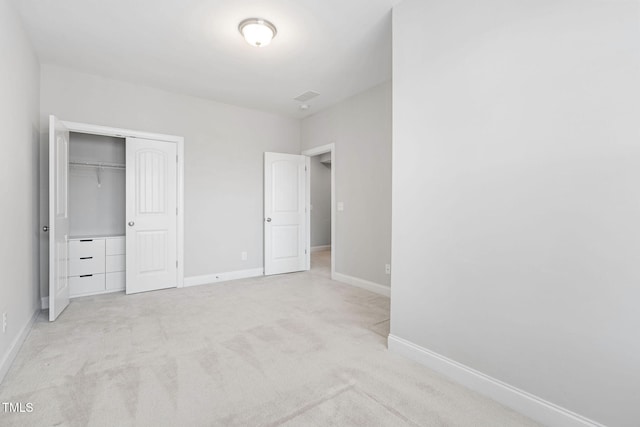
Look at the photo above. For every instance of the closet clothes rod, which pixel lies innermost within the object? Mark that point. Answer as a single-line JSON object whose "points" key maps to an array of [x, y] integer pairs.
{"points": [[97, 165]]}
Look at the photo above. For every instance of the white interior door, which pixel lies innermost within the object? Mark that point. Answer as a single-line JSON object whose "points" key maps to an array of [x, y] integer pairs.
{"points": [[58, 217], [152, 252], [285, 211]]}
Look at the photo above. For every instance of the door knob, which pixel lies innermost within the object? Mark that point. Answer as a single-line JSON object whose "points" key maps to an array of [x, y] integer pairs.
{"points": [[45, 228], [131, 223], [268, 219]]}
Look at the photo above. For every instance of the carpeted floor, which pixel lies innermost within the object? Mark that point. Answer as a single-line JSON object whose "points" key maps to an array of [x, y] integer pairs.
{"points": [[293, 350]]}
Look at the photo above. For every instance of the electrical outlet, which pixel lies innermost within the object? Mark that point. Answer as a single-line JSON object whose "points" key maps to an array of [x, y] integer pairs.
{"points": [[243, 256], [4, 322], [387, 268]]}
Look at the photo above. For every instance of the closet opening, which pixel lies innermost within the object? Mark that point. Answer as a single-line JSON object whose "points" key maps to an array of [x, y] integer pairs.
{"points": [[97, 208]]}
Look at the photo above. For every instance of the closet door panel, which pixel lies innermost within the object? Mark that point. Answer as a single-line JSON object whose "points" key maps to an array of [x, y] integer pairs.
{"points": [[151, 241], [58, 217]]}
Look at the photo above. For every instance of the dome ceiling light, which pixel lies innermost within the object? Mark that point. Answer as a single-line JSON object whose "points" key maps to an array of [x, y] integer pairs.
{"points": [[257, 32]]}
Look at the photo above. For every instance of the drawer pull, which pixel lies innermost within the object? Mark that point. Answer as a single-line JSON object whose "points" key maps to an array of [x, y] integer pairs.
{"points": [[87, 257], [87, 275], [86, 240]]}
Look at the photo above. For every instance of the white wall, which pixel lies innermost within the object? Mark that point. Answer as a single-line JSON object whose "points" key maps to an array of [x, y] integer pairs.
{"points": [[19, 100], [96, 209], [360, 127], [224, 148], [516, 171], [320, 203]]}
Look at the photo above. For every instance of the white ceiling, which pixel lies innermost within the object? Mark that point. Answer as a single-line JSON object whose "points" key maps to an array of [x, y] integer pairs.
{"points": [[334, 47]]}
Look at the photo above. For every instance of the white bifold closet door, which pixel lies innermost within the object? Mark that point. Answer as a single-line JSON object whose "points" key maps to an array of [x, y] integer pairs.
{"points": [[285, 213], [151, 174], [58, 217]]}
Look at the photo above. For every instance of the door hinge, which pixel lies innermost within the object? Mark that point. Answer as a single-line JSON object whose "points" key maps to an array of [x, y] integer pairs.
{"points": [[305, 168], [176, 263], [176, 211], [176, 158]]}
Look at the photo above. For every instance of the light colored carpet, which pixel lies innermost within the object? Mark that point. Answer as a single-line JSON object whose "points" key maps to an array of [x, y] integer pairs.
{"points": [[292, 350]]}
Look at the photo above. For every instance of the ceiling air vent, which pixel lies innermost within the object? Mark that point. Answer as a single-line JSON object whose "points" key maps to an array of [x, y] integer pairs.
{"points": [[306, 96]]}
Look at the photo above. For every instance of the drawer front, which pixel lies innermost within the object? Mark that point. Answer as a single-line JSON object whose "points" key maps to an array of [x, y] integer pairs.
{"points": [[116, 246], [86, 265], [116, 281], [115, 263], [83, 285], [86, 248]]}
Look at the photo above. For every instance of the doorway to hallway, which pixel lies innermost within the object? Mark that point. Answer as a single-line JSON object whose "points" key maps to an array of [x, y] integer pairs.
{"points": [[321, 190]]}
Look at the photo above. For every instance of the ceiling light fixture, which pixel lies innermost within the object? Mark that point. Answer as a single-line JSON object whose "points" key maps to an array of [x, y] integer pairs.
{"points": [[257, 32]]}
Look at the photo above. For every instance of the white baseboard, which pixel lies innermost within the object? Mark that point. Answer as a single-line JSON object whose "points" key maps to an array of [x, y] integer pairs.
{"points": [[222, 277], [8, 359], [525, 403], [320, 248], [363, 284], [197, 280]]}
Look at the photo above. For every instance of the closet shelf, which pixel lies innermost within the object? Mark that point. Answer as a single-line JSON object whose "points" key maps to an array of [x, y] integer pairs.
{"points": [[97, 165]]}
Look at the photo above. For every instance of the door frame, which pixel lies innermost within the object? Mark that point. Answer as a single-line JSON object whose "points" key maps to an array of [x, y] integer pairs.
{"points": [[312, 152], [179, 140]]}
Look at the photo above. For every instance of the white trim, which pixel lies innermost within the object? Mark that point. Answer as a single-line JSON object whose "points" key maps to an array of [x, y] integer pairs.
{"points": [[307, 209], [320, 248], [328, 148], [91, 294], [526, 403], [222, 277], [316, 151], [363, 284], [15, 346], [129, 133], [180, 207], [118, 132]]}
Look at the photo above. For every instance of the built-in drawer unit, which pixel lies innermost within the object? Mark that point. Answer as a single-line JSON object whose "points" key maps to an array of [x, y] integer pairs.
{"points": [[86, 284], [96, 265], [116, 245], [116, 281], [86, 265], [115, 263], [86, 248]]}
